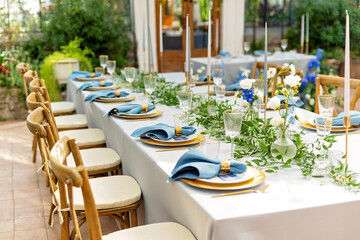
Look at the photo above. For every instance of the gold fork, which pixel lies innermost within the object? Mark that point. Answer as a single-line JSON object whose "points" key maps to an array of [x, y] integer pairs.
{"points": [[261, 190], [143, 119], [180, 148]]}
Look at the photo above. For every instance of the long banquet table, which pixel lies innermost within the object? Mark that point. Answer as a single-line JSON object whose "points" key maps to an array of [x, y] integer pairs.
{"points": [[293, 207]]}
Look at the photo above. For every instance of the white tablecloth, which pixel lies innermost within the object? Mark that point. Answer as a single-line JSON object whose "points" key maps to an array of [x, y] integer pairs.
{"points": [[233, 66], [292, 208]]}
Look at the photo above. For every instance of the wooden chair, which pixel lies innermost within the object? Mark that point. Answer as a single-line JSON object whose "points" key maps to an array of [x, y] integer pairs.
{"points": [[325, 80], [115, 196], [22, 68], [298, 72], [258, 67], [77, 177]]}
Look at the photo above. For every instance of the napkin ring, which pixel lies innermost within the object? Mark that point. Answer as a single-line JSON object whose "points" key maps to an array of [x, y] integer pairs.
{"points": [[177, 131], [117, 93], [144, 108], [225, 166], [102, 83], [222, 88], [92, 75]]}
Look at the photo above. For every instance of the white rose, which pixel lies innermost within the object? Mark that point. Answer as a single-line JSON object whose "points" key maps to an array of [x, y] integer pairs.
{"points": [[274, 103], [260, 94], [246, 83], [307, 96], [292, 70], [312, 102], [286, 65], [292, 81], [299, 115], [277, 121], [271, 72]]}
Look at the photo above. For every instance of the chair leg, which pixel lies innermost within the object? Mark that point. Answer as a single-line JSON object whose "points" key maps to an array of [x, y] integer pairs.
{"points": [[34, 144], [65, 231], [133, 214]]}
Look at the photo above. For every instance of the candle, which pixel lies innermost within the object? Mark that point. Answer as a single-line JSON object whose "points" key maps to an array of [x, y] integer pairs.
{"points": [[307, 26], [265, 64], [189, 53], [150, 49], [302, 31], [160, 30], [347, 68], [209, 45], [217, 34], [186, 44], [144, 42]]}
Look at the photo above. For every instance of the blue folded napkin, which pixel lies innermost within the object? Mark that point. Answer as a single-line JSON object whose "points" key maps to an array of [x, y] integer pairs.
{"points": [[104, 94], [233, 87], [194, 164], [129, 109], [296, 102], [223, 53], [204, 78], [354, 116], [94, 84], [82, 74], [161, 131]]}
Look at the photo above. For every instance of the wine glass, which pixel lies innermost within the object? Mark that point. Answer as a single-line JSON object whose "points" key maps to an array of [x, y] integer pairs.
{"points": [[150, 83], [110, 67], [130, 74], [217, 75], [185, 100], [326, 105], [246, 47], [103, 61], [284, 44], [232, 123]]}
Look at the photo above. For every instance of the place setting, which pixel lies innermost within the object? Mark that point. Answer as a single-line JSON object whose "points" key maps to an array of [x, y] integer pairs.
{"points": [[84, 76], [137, 112], [110, 96], [98, 86]]}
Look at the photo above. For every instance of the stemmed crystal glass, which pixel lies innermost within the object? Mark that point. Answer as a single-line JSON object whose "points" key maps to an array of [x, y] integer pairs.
{"points": [[232, 122], [284, 44], [110, 67], [326, 105], [150, 83], [103, 61], [185, 100], [246, 47], [217, 75], [130, 73]]}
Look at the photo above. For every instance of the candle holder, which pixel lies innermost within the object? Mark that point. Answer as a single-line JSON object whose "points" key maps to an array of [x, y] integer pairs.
{"points": [[347, 124], [187, 80], [302, 48], [307, 47], [144, 60], [161, 62]]}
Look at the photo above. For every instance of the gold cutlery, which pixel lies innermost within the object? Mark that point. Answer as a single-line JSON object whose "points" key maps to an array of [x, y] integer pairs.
{"points": [[261, 190], [179, 148], [143, 119]]}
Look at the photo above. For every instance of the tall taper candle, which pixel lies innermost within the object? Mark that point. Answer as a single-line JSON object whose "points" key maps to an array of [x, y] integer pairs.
{"points": [[144, 34], [160, 30], [347, 68], [209, 45], [189, 53], [186, 44], [307, 25], [150, 49], [217, 35], [265, 64], [302, 33]]}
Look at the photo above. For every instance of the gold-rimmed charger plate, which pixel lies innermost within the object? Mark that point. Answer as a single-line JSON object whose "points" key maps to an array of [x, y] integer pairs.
{"points": [[341, 129], [198, 84], [227, 93], [158, 112], [90, 79], [258, 179], [116, 99], [112, 87], [196, 140]]}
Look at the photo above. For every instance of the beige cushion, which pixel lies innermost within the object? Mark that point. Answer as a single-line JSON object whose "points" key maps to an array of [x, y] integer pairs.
{"points": [[62, 107], [109, 192], [71, 121], [85, 137], [97, 159], [157, 231]]}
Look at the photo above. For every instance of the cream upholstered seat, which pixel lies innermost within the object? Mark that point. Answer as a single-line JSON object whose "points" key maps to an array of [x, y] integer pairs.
{"points": [[97, 159], [71, 121], [85, 137], [157, 231], [59, 108]]}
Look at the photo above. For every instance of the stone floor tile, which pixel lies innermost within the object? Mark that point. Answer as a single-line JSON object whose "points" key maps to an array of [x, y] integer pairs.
{"points": [[29, 212], [29, 222], [7, 235], [27, 193], [34, 234], [9, 203], [6, 226], [6, 195], [28, 202], [6, 214]]}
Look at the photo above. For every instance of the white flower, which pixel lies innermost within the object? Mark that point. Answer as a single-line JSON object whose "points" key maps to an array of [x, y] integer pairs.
{"points": [[199, 71], [246, 83], [260, 94], [312, 102], [292, 81], [299, 115], [286, 65], [271, 72], [277, 121], [292, 69], [307, 96], [274, 103]]}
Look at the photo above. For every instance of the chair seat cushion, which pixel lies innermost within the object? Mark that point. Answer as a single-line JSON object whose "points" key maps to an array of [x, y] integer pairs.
{"points": [[157, 231], [63, 107], [71, 121], [109, 192], [97, 159], [85, 137]]}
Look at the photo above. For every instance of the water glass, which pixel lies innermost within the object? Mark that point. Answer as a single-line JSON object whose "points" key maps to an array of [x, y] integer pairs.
{"points": [[181, 120], [185, 100], [220, 90], [127, 87], [232, 123], [323, 126], [130, 73], [110, 66], [210, 147], [150, 83], [326, 105], [284, 44], [246, 47], [99, 70], [103, 61], [143, 98], [217, 75]]}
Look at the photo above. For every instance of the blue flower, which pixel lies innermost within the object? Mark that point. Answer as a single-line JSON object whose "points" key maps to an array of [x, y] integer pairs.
{"points": [[248, 95], [239, 77], [315, 63]]}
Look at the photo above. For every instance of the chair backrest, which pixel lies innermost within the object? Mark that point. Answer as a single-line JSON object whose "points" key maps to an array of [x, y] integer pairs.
{"points": [[75, 177], [22, 68], [258, 67], [325, 80], [30, 75], [35, 100], [38, 85]]}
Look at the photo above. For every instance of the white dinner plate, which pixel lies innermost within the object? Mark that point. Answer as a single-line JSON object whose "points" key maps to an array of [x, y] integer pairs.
{"points": [[312, 122], [111, 87], [245, 176], [142, 114], [179, 139]]}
